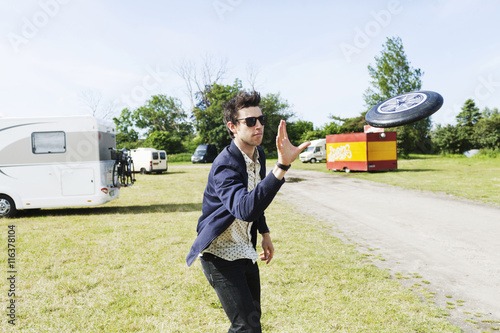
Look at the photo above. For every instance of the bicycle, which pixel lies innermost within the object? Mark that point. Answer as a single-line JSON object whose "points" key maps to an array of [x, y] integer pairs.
{"points": [[123, 168]]}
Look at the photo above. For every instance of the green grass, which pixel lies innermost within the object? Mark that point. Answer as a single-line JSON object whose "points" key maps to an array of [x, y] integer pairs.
{"points": [[476, 178], [121, 268]]}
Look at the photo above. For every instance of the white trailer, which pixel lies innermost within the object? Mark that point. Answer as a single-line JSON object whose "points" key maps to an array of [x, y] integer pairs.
{"points": [[55, 162], [147, 160]]}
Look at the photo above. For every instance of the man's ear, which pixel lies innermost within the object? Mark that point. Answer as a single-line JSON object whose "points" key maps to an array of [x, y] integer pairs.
{"points": [[232, 127]]}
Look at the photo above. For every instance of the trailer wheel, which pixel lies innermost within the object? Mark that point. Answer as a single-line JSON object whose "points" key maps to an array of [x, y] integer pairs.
{"points": [[143, 171], [347, 170], [313, 160], [7, 206]]}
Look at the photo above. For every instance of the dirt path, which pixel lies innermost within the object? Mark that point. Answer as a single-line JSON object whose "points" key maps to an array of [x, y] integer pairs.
{"points": [[449, 246]]}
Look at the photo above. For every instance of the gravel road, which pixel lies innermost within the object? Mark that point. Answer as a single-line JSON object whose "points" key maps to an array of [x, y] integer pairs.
{"points": [[447, 245]]}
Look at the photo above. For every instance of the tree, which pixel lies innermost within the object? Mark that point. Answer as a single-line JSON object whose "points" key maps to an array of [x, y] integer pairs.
{"points": [[487, 130], [208, 114], [162, 113], [125, 133], [163, 140], [296, 129], [198, 77], [276, 109], [302, 131], [490, 113], [466, 120], [470, 115], [332, 128], [393, 75], [451, 139], [164, 120], [93, 101], [474, 129], [350, 125], [252, 73], [312, 135]]}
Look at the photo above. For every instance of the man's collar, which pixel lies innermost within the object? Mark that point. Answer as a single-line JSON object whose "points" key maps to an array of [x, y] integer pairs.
{"points": [[247, 159]]}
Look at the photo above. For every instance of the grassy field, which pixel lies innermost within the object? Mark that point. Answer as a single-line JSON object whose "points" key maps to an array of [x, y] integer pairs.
{"points": [[121, 268], [476, 178]]}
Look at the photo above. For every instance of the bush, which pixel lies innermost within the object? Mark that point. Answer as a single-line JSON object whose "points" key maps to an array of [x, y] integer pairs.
{"points": [[452, 139], [130, 144], [163, 140], [182, 157], [487, 133], [488, 153]]}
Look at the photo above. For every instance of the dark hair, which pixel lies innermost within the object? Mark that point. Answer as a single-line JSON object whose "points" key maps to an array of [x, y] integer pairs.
{"points": [[242, 100]]}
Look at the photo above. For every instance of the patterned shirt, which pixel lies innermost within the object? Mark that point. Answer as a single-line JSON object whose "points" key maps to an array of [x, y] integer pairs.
{"points": [[236, 241]]}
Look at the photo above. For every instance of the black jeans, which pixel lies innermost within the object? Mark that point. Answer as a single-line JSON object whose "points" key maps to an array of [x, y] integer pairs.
{"points": [[237, 284]]}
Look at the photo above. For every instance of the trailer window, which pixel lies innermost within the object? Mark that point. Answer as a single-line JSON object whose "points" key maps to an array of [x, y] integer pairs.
{"points": [[48, 142]]}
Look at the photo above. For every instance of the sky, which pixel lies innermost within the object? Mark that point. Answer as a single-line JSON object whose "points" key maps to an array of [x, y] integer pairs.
{"points": [[315, 54]]}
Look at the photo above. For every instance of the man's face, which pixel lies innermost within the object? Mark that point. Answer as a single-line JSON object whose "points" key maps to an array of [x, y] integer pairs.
{"points": [[248, 136]]}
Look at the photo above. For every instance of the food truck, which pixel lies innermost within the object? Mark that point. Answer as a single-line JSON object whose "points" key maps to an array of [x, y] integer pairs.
{"points": [[361, 151]]}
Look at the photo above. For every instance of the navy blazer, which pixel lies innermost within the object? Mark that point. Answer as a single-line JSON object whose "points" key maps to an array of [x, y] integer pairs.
{"points": [[226, 197]]}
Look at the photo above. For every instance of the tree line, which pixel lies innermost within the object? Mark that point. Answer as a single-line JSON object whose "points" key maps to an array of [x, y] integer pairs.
{"points": [[475, 129], [165, 124]]}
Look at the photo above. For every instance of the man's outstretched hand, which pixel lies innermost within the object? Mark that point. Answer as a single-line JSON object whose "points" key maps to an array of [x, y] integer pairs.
{"points": [[287, 153]]}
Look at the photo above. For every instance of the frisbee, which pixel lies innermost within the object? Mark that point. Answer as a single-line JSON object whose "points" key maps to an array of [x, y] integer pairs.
{"points": [[404, 109]]}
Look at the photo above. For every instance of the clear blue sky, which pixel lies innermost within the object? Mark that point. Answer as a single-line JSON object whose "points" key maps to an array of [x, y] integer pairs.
{"points": [[314, 53]]}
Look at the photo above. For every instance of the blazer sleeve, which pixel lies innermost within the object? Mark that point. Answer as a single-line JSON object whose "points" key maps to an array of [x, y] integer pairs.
{"points": [[262, 224]]}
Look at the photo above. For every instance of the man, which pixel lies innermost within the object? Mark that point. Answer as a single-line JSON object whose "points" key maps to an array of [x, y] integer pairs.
{"points": [[237, 193]]}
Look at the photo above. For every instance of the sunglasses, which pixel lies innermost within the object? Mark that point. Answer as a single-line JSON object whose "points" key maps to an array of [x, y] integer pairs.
{"points": [[252, 121]]}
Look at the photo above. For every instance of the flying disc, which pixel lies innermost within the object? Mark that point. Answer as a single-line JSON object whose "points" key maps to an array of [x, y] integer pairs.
{"points": [[404, 109]]}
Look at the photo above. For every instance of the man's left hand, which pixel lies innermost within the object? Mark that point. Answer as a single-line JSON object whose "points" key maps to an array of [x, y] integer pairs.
{"points": [[267, 246]]}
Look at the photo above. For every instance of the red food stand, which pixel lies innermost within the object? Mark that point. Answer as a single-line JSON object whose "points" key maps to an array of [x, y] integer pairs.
{"points": [[362, 151]]}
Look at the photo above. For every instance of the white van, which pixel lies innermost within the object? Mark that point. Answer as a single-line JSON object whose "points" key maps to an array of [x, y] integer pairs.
{"points": [[147, 160], [316, 152], [52, 162]]}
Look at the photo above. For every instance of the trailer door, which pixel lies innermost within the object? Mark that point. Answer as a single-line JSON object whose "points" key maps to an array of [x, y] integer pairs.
{"points": [[78, 181]]}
